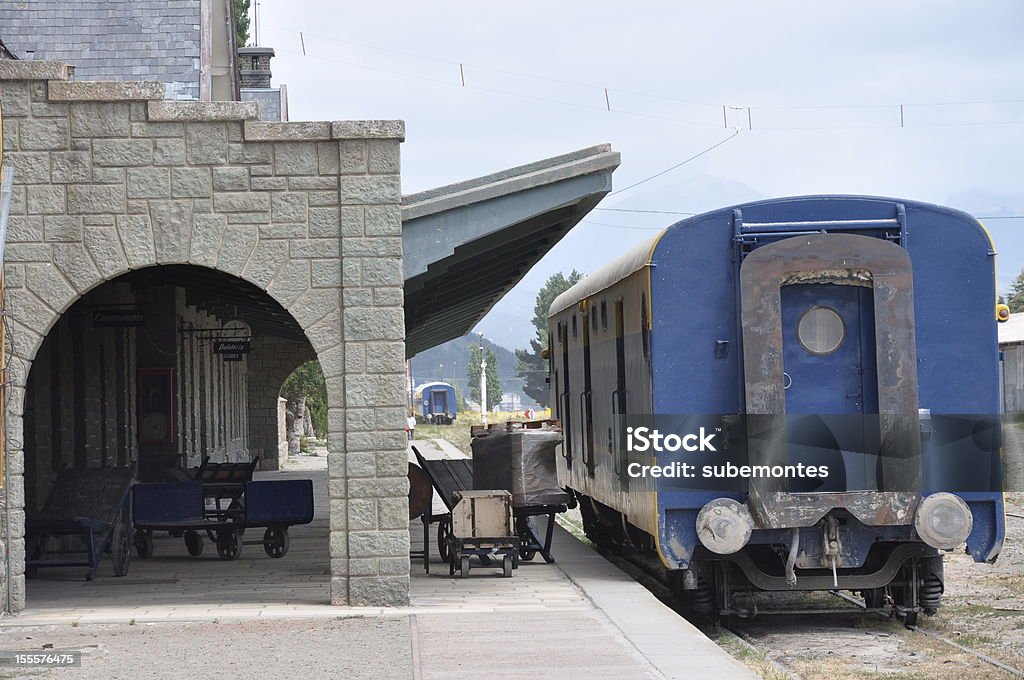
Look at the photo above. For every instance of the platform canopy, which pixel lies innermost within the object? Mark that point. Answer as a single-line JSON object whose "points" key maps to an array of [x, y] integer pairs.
{"points": [[467, 244]]}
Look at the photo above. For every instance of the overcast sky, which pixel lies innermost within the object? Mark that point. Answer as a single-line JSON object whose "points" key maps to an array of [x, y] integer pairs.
{"points": [[535, 73]]}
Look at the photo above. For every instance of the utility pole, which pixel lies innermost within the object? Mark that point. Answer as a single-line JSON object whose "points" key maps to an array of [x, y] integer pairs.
{"points": [[483, 382]]}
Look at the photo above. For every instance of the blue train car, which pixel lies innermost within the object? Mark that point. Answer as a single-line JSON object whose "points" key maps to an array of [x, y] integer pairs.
{"points": [[437, 403], [777, 340]]}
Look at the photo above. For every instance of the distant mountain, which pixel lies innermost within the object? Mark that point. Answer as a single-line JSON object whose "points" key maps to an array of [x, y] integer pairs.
{"points": [[447, 363]]}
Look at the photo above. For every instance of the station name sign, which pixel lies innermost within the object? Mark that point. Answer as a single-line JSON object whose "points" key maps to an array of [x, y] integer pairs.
{"points": [[231, 347], [118, 317]]}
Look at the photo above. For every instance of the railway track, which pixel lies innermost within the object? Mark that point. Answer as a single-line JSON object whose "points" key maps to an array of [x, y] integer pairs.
{"points": [[645, 572]]}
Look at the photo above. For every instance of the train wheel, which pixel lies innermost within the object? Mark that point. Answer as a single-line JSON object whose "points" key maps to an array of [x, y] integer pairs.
{"points": [[874, 598]]}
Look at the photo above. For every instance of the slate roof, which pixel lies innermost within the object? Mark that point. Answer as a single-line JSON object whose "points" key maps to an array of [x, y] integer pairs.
{"points": [[110, 39]]}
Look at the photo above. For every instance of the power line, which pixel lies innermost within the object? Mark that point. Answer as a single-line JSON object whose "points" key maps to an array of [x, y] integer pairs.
{"points": [[622, 226], [677, 165], [602, 89], [650, 212]]}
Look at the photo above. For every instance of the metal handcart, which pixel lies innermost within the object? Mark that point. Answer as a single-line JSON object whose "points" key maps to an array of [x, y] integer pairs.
{"points": [[179, 507], [91, 503], [452, 476]]}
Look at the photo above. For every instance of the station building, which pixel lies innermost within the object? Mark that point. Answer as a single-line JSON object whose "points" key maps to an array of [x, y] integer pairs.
{"points": [[146, 230]]}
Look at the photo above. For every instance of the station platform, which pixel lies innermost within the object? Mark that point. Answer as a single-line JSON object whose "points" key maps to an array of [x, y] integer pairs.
{"points": [[581, 616]]}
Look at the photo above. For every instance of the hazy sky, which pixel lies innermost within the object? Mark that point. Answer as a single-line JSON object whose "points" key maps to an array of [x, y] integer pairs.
{"points": [[536, 72]]}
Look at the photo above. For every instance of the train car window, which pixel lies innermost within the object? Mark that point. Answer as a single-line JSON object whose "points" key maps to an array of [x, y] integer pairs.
{"points": [[821, 330], [573, 326], [594, 321], [604, 315]]}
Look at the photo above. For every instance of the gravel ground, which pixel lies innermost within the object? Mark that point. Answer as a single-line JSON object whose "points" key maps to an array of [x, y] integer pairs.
{"points": [[352, 649]]}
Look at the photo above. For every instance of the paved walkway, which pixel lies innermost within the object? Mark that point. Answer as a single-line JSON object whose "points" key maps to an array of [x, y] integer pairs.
{"points": [[579, 616]]}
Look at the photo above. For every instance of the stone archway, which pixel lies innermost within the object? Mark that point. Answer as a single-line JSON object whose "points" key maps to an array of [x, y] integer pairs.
{"points": [[109, 179]]}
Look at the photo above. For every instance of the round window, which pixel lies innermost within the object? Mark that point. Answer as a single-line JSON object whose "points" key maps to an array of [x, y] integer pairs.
{"points": [[821, 330]]}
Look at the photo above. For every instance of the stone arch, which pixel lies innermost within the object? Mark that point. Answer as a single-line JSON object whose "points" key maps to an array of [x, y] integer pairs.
{"points": [[110, 178], [40, 283]]}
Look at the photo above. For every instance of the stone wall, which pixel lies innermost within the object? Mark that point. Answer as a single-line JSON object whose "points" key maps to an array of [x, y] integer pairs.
{"points": [[109, 179], [271, 361]]}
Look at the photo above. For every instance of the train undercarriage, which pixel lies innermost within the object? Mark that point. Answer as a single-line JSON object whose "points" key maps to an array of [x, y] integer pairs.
{"points": [[903, 578]]}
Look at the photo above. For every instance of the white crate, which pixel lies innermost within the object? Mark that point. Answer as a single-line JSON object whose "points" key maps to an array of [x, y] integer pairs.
{"points": [[482, 514]]}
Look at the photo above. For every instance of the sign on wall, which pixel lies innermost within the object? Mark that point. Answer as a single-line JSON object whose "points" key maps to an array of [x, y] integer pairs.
{"points": [[118, 317], [231, 346]]}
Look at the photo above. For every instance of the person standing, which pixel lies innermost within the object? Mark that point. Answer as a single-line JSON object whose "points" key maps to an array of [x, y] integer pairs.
{"points": [[410, 426]]}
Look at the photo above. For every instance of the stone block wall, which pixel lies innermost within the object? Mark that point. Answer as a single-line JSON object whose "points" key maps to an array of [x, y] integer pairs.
{"points": [[110, 178]]}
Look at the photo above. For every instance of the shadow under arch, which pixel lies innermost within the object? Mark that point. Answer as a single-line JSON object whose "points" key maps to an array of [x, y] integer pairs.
{"points": [[129, 372]]}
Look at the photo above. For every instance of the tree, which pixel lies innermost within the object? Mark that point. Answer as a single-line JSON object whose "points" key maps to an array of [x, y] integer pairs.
{"points": [[242, 22], [473, 375], [530, 366], [305, 389], [1015, 298]]}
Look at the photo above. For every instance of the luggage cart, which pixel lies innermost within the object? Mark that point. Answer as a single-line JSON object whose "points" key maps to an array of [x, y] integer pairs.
{"points": [[91, 503], [450, 476], [481, 524], [179, 507]]}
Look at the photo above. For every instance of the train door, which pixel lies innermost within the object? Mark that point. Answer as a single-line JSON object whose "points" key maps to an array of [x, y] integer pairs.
{"points": [[564, 394], [830, 380], [619, 405], [586, 402], [439, 402]]}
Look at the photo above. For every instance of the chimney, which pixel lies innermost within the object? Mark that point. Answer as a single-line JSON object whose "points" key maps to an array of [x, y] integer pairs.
{"points": [[254, 67]]}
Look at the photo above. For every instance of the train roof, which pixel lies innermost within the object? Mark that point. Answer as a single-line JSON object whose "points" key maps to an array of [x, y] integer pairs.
{"points": [[634, 260], [640, 256], [1011, 331], [434, 383]]}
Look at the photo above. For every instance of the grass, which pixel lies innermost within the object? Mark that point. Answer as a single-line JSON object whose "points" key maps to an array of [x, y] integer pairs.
{"points": [[457, 433]]}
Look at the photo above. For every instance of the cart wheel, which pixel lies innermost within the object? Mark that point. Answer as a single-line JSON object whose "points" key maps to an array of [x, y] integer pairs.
{"points": [[442, 539], [143, 543], [526, 554], [120, 550], [229, 547], [465, 566], [276, 541], [506, 566], [194, 543]]}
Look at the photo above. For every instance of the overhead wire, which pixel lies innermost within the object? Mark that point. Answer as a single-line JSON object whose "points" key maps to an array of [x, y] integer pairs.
{"points": [[724, 108], [677, 165]]}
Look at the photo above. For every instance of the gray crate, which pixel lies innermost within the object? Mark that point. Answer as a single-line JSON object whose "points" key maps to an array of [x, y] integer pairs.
{"points": [[522, 461]]}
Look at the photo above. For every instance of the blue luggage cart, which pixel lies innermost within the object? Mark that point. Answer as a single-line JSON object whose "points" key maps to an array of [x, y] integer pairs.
{"points": [[179, 507]]}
